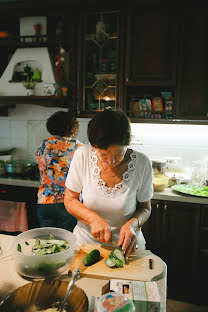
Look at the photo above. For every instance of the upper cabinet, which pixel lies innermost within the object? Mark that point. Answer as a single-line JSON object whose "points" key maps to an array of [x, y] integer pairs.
{"points": [[99, 61], [193, 91], [38, 54], [152, 44]]}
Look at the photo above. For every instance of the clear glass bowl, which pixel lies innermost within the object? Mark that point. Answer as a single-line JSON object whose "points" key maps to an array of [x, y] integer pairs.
{"points": [[43, 266]]}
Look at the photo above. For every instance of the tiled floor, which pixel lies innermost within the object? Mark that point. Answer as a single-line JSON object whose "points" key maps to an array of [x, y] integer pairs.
{"points": [[179, 306]]}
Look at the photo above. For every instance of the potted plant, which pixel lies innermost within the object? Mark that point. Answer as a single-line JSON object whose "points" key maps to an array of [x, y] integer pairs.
{"points": [[29, 86]]}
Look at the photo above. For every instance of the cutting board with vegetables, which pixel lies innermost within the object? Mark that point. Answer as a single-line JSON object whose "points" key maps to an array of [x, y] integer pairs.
{"points": [[141, 266]]}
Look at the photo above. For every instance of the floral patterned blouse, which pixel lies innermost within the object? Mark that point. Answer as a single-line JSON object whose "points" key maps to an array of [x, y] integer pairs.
{"points": [[54, 156]]}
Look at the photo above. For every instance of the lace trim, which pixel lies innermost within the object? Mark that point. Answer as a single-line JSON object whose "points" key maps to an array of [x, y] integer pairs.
{"points": [[118, 188]]}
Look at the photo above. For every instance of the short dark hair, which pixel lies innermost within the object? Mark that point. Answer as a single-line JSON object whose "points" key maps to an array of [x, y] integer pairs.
{"points": [[62, 123], [109, 127]]}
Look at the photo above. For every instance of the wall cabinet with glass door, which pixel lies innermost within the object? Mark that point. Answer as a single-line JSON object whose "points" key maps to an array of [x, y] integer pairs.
{"points": [[100, 62]]}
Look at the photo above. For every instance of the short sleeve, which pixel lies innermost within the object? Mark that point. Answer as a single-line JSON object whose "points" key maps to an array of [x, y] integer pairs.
{"points": [[75, 173], [145, 191]]}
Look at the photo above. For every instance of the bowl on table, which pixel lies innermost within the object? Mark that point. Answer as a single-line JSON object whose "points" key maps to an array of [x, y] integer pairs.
{"points": [[43, 295], [46, 265]]}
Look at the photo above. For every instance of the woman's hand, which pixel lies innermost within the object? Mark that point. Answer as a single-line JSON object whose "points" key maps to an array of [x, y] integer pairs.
{"points": [[127, 239], [101, 230]]}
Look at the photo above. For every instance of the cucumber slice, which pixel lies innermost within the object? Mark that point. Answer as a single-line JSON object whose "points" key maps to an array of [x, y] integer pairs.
{"points": [[117, 252], [114, 259], [109, 263], [92, 257]]}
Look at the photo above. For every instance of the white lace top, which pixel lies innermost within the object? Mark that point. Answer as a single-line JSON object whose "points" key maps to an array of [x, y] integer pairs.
{"points": [[116, 205]]}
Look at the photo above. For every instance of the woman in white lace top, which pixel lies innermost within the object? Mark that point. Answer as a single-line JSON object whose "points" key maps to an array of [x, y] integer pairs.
{"points": [[115, 182]]}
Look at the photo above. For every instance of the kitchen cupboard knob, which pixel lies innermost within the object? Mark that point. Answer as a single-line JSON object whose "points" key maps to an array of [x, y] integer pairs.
{"points": [[157, 206], [127, 79], [165, 207]]}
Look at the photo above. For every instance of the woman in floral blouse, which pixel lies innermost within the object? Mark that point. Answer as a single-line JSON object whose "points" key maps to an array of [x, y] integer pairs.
{"points": [[54, 156]]}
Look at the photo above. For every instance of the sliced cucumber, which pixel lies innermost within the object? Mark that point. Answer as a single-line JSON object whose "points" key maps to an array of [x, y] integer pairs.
{"points": [[109, 263], [117, 252], [114, 259]]}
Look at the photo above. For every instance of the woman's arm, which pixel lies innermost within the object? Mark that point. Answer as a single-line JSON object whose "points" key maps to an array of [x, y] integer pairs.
{"points": [[100, 229], [127, 237]]}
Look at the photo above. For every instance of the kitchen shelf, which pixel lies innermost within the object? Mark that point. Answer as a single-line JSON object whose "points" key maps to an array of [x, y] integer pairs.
{"points": [[49, 101]]}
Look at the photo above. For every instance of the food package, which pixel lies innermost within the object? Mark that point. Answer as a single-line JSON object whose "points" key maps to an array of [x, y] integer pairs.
{"points": [[157, 104], [145, 295], [160, 182]]}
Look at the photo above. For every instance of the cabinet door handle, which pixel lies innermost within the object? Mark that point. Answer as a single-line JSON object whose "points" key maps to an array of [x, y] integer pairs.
{"points": [[157, 206], [127, 79], [165, 207]]}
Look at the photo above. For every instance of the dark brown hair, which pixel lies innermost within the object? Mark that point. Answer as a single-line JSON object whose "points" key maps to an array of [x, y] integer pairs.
{"points": [[109, 127], [62, 123]]}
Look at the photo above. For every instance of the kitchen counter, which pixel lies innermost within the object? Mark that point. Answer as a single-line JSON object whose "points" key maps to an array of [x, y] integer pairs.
{"points": [[10, 279], [167, 194], [19, 182]]}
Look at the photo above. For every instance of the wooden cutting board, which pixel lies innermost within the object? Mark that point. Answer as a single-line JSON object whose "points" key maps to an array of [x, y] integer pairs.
{"points": [[138, 268]]}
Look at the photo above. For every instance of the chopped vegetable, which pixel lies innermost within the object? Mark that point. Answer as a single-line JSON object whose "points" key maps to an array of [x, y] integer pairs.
{"points": [[196, 190], [110, 263], [117, 252], [19, 248], [116, 259], [92, 257], [26, 243], [49, 246]]}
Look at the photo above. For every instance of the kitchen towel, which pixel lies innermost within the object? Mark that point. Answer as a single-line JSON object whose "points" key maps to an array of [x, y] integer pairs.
{"points": [[13, 216]]}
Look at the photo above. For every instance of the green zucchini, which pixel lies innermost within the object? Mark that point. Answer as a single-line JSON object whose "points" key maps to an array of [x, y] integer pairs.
{"points": [[118, 254], [114, 259], [109, 263], [92, 257]]}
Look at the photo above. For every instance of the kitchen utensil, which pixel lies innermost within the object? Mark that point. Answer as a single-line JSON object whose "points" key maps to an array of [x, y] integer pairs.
{"points": [[17, 166], [75, 276], [45, 294], [139, 266], [43, 266]]}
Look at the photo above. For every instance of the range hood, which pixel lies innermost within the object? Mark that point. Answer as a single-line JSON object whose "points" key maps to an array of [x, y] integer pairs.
{"points": [[33, 57]]}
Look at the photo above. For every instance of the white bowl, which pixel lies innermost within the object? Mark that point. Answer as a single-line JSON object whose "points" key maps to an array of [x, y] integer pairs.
{"points": [[42, 266]]}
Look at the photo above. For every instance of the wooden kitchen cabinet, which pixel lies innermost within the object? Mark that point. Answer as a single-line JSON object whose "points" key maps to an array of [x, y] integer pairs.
{"points": [[152, 44], [61, 30], [193, 91], [172, 233]]}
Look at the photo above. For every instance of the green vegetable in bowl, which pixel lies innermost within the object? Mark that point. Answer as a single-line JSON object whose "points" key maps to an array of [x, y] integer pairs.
{"points": [[49, 246], [44, 268]]}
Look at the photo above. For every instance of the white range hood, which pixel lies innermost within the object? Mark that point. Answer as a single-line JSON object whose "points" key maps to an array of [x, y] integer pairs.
{"points": [[34, 57]]}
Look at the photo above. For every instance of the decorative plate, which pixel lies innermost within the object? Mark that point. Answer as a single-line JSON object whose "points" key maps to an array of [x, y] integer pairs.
{"points": [[191, 189]]}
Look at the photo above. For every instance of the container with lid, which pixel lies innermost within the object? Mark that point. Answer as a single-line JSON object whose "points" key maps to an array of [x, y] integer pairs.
{"points": [[113, 302]]}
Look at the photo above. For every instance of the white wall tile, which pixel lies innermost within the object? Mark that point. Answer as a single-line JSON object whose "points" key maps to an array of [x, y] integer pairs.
{"points": [[18, 129], [5, 143], [5, 128]]}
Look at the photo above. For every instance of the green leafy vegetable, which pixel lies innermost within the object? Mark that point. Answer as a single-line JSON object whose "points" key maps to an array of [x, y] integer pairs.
{"points": [[196, 190], [49, 246], [19, 248], [26, 243]]}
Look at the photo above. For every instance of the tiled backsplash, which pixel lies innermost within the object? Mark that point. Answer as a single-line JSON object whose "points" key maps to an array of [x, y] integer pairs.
{"points": [[25, 128]]}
